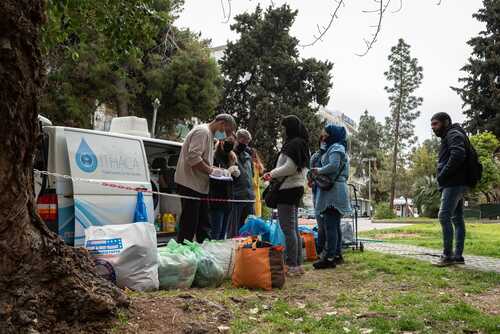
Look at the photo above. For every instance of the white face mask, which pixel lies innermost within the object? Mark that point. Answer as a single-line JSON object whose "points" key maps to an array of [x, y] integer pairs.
{"points": [[322, 146]]}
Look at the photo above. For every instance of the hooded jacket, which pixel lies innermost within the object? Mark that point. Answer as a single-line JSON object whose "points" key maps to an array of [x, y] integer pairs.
{"points": [[451, 167]]}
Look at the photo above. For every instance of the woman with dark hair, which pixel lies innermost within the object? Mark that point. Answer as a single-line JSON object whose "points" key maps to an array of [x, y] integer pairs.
{"points": [[331, 204], [290, 170], [222, 188]]}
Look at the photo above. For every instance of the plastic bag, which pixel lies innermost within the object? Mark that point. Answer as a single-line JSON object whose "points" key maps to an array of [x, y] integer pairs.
{"points": [[177, 266], [125, 254], [276, 235], [141, 213], [255, 226], [208, 273], [347, 232], [223, 252]]}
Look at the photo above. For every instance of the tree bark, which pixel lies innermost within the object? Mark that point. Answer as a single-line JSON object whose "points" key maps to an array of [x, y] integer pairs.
{"points": [[44, 284]]}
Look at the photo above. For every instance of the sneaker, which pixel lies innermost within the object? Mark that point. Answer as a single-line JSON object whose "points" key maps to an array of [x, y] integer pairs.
{"points": [[293, 271], [445, 261], [324, 263], [301, 270], [459, 260], [339, 260]]}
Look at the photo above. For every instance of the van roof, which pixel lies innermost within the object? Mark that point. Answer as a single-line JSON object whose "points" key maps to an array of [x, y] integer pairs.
{"points": [[121, 135]]}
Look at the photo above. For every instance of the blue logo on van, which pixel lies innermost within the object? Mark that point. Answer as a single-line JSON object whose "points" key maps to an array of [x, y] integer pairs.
{"points": [[85, 158]]}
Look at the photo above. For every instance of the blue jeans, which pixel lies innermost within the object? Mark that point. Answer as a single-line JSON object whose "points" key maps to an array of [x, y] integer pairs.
{"points": [[333, 233], [320, 245], [218, 222], [451, 214]]}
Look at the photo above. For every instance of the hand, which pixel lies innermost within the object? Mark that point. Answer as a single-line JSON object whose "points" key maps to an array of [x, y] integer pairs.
{"points": [[217, 172], [267, 177]]}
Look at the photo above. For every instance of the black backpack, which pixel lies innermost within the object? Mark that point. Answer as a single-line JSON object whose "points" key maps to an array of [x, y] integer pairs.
{"points": [[473, 165]]}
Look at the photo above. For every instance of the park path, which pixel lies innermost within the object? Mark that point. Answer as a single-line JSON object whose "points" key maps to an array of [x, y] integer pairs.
{"points": [[473, 262]]}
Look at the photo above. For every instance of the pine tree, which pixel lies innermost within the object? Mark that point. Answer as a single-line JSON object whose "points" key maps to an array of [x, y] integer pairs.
{"points": [[265, 79], [406, 76], [481, 90]]}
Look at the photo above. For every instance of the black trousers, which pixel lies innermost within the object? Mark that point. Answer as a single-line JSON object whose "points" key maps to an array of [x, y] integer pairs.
{"points": [[194, 217]]}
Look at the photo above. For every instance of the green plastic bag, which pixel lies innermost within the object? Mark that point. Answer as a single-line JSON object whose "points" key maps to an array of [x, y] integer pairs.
{"points": [[209, 273], [177, 266]]}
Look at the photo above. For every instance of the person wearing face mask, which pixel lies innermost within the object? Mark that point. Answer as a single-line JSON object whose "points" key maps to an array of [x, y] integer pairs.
{"points": [[331, 204], [222, 188], [290, 169], [194, 166], [452, 180], [243, 184]]}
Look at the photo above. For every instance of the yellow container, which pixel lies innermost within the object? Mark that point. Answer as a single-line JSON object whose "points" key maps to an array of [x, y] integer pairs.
{"points": [[168, 222]]}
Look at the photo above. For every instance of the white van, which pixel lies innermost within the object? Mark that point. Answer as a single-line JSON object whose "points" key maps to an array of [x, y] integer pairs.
{"points": [[69, 206]]}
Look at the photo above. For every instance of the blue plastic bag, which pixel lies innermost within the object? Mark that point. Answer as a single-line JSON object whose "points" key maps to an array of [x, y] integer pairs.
{"points": [[141, 213], [276, 235], [269, 231], [255, 226]]}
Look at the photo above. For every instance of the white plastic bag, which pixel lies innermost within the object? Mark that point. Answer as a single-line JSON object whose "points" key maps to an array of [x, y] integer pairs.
{"points": [[224, 253], [347, 232], [125, 254], [177, 266]]}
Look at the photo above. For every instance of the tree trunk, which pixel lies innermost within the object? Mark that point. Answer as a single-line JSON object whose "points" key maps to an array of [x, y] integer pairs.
{"points": [[394, 162], [44, 284], [396, 138]]}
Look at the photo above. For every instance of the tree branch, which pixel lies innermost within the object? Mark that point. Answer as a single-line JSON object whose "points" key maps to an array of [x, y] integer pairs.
{"points": [[381, 11], [324, 30], [228, 16]]}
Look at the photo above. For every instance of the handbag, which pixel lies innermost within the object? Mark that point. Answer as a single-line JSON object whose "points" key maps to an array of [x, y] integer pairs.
{"points": [[259, 265], [271, 193], [324, 182]]}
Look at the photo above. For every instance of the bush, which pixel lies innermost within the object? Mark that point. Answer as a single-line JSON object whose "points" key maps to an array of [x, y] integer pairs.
{"points": [[383, 211]]}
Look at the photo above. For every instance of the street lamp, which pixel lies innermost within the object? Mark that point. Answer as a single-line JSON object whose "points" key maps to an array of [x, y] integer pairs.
{"points": [[369, 184], [156, 105]]}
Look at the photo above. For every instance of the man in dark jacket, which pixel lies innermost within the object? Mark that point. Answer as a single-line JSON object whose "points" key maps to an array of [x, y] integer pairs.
{"points": [[452, 181]]}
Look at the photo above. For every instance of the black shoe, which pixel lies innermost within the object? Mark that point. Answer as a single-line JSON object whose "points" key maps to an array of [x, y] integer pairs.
{"points": [[339, 260], [445, 261], [459, 260], [324, 264]]}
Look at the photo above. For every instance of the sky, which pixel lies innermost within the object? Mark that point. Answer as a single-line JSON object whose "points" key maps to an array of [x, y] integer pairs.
{"points": [[437, 35]]}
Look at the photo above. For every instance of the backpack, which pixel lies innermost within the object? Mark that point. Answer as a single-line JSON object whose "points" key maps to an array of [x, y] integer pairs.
{"points": [[473, 165]]}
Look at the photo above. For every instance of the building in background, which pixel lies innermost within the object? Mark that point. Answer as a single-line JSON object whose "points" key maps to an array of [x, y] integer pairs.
{"points": [[218, 52]]}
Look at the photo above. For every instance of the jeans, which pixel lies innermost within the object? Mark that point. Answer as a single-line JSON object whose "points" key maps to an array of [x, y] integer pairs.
{"points": [[333, 234], [451, 215], [218, 221], [320, 246], [238, 216], [289, 222], [194, 217]]}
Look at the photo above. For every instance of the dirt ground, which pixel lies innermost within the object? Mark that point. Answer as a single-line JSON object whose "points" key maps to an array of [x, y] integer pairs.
{"points": [[183, 314]]}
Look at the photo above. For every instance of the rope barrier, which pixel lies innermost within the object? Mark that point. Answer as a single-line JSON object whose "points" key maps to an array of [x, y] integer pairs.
{"points": [[138, 189]]}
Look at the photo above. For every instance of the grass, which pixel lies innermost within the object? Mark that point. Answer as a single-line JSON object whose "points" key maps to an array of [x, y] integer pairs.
{"points": [[371, 293], [481, 239]]}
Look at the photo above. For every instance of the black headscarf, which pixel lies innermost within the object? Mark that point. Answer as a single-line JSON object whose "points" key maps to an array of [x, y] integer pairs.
{"points": [[296, 145]]}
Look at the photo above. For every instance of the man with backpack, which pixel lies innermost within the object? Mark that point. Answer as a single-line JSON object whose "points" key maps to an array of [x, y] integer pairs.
{"points": [[458, 169]]}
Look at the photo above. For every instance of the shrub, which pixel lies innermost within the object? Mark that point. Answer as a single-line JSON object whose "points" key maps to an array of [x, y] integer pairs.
{"points": [[383, 211]]}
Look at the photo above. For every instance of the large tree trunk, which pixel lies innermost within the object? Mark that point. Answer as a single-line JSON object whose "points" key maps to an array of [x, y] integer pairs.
{"points": [[44, 284]]}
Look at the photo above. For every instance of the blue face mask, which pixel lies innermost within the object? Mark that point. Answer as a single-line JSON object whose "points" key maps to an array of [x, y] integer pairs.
{"points": [[220, 135]]}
